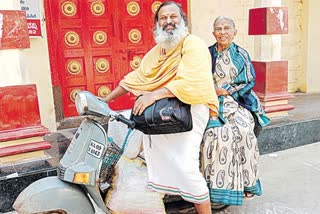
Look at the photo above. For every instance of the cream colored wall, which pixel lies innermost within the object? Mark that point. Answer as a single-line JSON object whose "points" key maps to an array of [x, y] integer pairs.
{"points": [[203, 14], [29, 66], [301, 45], [312, 41], [292, 46]]}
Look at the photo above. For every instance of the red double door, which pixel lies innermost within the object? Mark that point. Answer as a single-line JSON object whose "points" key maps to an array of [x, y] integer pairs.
{"points": [[94, 43]]}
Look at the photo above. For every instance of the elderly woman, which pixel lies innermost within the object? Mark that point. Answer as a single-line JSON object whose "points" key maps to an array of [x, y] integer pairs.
{"points": [[230, 152]]}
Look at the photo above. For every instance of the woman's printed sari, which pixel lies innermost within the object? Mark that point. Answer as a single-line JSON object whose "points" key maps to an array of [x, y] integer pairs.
{"points": [[229, 159], [230, 155]]}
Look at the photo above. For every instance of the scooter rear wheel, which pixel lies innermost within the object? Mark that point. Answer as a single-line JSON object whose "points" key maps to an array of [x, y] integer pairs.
{"points": [[218, 206], [54, 212]]}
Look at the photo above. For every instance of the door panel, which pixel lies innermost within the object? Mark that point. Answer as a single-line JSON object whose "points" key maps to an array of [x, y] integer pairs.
{"points": [[94, 43]]}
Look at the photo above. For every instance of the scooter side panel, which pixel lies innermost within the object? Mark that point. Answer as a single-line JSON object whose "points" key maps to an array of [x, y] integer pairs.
{"points": [[87, 145], [51, 193], [77, 149]]}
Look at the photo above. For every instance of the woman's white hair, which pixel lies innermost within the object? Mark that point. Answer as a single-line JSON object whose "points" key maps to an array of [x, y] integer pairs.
{"points": [[224, 17]]}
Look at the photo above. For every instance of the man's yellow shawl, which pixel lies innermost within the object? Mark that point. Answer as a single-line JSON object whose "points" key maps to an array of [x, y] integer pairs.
{"points": [[184, 70]]}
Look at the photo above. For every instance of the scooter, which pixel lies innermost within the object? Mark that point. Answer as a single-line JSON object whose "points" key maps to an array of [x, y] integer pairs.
{"points": [[85, 170]]}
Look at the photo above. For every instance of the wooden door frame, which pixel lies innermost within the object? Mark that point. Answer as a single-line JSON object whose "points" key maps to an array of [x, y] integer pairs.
{"points": [[55, 78]]}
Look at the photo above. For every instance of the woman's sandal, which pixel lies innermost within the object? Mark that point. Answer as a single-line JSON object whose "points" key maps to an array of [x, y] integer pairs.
{"points": [[248, 195]]}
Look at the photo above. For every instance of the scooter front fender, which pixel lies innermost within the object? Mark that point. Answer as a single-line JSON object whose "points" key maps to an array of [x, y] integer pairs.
{"points": [[49, 194]]}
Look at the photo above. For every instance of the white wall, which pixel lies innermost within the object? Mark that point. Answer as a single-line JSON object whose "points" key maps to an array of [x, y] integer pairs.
{"points": [[35, 63], [9, 4], [10, 59]]}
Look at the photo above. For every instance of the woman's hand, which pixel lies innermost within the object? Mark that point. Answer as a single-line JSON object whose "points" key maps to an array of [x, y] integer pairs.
{"points": [[221, 91], [142, 103]]}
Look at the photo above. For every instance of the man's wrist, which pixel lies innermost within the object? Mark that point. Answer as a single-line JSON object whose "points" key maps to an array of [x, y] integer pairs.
{"points": [[106, 99], [155, 95]]}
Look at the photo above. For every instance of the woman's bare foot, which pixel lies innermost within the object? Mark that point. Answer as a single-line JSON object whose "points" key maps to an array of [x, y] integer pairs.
{"points": [[248, 195]]}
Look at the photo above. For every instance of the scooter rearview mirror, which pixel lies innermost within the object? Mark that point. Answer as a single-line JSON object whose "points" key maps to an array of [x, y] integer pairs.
{"points": [[89, 104]]}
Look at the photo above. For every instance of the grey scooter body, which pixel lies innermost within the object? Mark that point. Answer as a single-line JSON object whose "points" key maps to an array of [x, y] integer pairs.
{"points": [[84, 155], [53, 193]]}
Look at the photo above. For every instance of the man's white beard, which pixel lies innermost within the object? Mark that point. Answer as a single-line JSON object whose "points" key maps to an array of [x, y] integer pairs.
{"points": [[170, 39]]}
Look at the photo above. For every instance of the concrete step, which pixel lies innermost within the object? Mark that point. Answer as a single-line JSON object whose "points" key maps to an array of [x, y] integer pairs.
{"points": [[289, 135], [301, 127]]}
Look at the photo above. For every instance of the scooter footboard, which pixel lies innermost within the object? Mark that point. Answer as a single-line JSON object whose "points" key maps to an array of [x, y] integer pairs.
{"points": [[50, 194]]}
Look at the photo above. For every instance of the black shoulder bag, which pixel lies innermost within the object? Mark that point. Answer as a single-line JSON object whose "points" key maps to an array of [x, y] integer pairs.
{"points": [[165, 116]]}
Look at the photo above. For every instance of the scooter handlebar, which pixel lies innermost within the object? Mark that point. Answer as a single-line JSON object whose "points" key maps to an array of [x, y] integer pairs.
{"points": [[126, 121]]}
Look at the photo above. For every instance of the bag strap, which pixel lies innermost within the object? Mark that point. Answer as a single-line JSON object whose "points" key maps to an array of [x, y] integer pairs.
{"points": [[126, 139]]}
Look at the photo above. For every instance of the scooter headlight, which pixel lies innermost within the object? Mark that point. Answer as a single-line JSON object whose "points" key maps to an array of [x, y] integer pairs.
{"points": [[81, 177], [81, 103]]}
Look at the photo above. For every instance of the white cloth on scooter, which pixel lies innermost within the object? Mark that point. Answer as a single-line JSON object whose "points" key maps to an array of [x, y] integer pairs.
{"points": [[129, 193], [118, 131], [173, 160]]}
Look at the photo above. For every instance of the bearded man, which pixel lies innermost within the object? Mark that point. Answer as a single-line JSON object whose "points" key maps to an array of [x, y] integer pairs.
{"points": [[178, 66]]}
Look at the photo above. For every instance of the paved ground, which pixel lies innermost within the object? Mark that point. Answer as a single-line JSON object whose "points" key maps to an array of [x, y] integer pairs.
{"points": [[290, 183], [290, 180], [306, 106]]}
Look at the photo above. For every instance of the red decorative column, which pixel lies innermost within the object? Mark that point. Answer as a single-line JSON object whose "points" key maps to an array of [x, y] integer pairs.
{"points": [[268, 24]]}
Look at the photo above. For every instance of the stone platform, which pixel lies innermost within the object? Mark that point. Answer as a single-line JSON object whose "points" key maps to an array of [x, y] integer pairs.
{"points": [[301, 127]]}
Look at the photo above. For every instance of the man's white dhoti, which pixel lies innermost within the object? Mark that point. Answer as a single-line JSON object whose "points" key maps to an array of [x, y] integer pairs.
{"points": [[173, 160]]}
